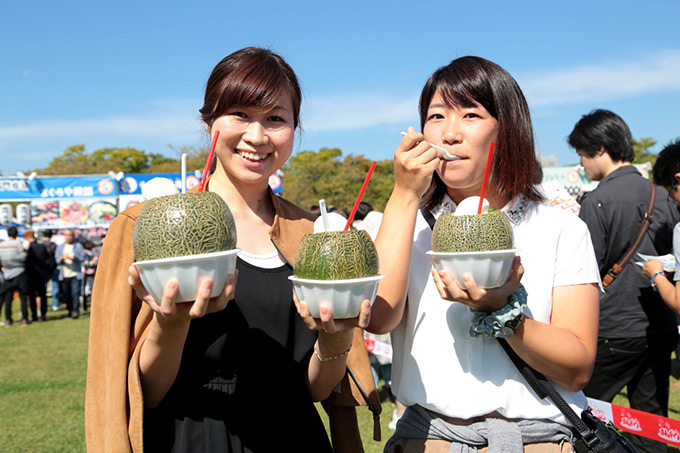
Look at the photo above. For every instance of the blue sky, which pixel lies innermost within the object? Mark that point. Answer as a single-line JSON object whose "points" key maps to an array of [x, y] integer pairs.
{"points": [[126, 73]]}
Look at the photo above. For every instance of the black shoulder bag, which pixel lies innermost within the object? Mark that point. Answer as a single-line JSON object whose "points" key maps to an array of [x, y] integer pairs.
{"points": [[591, 433]]}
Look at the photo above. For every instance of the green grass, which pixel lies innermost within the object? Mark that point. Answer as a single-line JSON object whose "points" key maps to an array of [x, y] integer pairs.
{"points": [[42, 388]]}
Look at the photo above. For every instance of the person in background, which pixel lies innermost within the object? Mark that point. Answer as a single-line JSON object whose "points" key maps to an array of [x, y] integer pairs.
{"points": [[13, 263], [638, 331], [89, 270], [461, 389], [54, 275], [70, 256], [666, 173], [39, 265]]}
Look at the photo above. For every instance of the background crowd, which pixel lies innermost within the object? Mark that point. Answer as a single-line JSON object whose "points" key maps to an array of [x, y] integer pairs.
{"points": [[34, 269]]}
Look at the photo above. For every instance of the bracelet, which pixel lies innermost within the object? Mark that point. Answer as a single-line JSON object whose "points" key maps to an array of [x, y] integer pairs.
{"points": [[503, 322], [328, 359], [653, 278]]}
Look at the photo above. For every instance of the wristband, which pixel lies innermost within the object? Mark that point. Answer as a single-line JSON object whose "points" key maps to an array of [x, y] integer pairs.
{"points": [[653, 278], [503, 322], [328, 359]]}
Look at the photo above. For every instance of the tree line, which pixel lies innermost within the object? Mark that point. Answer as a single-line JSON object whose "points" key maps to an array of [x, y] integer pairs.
{"points": [[308, 176]]}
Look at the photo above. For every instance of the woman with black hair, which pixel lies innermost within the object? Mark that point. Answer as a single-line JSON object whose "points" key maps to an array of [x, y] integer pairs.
{"points": [[463, 392]]}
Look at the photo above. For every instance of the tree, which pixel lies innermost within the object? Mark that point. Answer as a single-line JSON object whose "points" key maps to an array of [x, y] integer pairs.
{"points": [[310, 176], [642, 153], [76, 161]]}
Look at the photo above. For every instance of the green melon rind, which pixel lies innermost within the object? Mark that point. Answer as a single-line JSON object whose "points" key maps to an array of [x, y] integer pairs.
{"points": [[182, 225], [336, 255], [472, 233]]}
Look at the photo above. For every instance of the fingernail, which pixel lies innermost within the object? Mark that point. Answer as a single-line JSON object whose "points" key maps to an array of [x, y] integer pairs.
{"points": [[172, 284], [323, 309], [207, 284]]}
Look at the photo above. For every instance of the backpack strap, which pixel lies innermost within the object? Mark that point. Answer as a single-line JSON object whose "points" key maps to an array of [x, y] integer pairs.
{"points": [[621, 263]]}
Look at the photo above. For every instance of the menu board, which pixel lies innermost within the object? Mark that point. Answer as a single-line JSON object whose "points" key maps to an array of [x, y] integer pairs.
{"points": [[70, 213]]}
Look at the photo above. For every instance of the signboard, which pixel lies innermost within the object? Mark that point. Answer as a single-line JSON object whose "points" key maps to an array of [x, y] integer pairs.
{"points": [[87, 201]]}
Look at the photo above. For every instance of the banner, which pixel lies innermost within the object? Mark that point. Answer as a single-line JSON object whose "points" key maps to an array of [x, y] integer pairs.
{"points": [[644, 424]]}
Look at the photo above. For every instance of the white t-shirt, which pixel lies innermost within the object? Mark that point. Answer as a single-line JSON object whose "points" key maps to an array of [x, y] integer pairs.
{"points": [[436, 363]]}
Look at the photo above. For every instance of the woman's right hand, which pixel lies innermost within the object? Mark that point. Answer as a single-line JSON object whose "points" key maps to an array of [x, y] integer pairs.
{"points": [[168, 312], [651, 267], [414, 163]]}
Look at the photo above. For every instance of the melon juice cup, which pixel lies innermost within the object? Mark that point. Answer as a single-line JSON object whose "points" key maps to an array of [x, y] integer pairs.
{"points": [[185, 237], [478, 244], [338, 269]]}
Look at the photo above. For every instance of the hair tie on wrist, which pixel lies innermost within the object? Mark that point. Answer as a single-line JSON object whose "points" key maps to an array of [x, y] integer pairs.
{"points": [[503, 322], [328, 359]]}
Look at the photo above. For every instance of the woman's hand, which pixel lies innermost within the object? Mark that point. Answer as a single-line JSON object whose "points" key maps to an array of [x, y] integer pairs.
{"points": [[168, 312], [326, 324], [487, 300], [651, 267], [414, 163]]}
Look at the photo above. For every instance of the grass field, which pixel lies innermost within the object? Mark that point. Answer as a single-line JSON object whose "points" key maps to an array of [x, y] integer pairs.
{"points": [[42, 388]]}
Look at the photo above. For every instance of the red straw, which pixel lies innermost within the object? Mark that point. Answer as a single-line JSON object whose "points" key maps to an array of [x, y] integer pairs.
{"points": [[204, 176], [486, 177], [361, 194]]}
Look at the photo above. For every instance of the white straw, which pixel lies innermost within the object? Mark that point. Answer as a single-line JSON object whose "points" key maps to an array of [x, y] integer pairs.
{"points": [[184, 172], [324, 214]]}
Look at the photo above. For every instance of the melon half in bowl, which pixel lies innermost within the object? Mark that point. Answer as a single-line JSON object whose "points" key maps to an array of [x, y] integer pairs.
{"points": [[489, 269], [189, 271], [344, 297]]}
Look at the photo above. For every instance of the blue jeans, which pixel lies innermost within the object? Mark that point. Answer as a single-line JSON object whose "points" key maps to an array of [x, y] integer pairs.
{"points": [[71, 293], [55, 289]]}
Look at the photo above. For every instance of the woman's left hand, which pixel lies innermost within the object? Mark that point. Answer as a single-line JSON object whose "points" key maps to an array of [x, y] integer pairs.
{"points": [[326, 324], [481, 299]]}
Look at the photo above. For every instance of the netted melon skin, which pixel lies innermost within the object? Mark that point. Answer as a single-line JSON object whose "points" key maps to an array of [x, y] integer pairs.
{"points": [[472, 233], [182, 225], [336, 255]]}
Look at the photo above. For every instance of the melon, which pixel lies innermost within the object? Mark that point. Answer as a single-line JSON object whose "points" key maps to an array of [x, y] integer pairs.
{"points": [[336, 255], [182, 225], [472, 233]]}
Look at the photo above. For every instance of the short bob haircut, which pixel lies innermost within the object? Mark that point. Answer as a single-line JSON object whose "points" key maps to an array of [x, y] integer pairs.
{"points": [[472, 81], [250, 77], [667, 165], [603, 129]]}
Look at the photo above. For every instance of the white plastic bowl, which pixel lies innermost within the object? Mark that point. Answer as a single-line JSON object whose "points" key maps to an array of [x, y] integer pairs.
{"points": [[343, 296], [489, 269], [188, 271]]}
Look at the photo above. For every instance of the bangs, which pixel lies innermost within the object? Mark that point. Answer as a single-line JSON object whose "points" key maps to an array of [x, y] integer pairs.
{"points": [[455, 93], [261, 87]]}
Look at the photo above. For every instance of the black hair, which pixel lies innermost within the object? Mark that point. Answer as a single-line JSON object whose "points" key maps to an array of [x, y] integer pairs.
{"points": [[603, 129], [471, 81], [667, 165], [12, 232]]}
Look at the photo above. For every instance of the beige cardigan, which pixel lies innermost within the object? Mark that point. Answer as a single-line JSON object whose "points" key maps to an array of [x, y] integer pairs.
{"points": [[114, 404]]}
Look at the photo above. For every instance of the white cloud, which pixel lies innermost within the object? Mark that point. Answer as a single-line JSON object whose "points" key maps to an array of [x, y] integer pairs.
{"points": [[352, 111], [176, 121], [610, 80]]}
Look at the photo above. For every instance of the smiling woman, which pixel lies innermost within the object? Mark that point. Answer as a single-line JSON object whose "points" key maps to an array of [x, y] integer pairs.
{"points": [[198, 374]]}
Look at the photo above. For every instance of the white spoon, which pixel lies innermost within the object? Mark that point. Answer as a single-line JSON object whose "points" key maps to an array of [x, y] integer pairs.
{"points": [[444, 154]]}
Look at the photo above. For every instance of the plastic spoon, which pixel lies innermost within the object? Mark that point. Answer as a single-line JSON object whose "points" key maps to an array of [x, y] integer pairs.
{"points": [[444, 154]]}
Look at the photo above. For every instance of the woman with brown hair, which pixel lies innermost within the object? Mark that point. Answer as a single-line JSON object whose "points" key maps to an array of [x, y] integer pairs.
{"points": [[239, 372], [463, 392]]}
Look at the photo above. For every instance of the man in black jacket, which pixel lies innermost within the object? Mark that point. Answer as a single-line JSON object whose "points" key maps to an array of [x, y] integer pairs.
{"points": [[39, 265], [637, 330]]}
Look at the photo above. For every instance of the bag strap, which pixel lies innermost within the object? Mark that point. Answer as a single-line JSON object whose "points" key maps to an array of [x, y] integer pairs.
{"points": [[545, 390], [620, 264]]}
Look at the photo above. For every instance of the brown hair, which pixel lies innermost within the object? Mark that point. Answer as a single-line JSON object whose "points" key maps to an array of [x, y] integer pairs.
{"points": [[250, 77], [471, 81]]}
